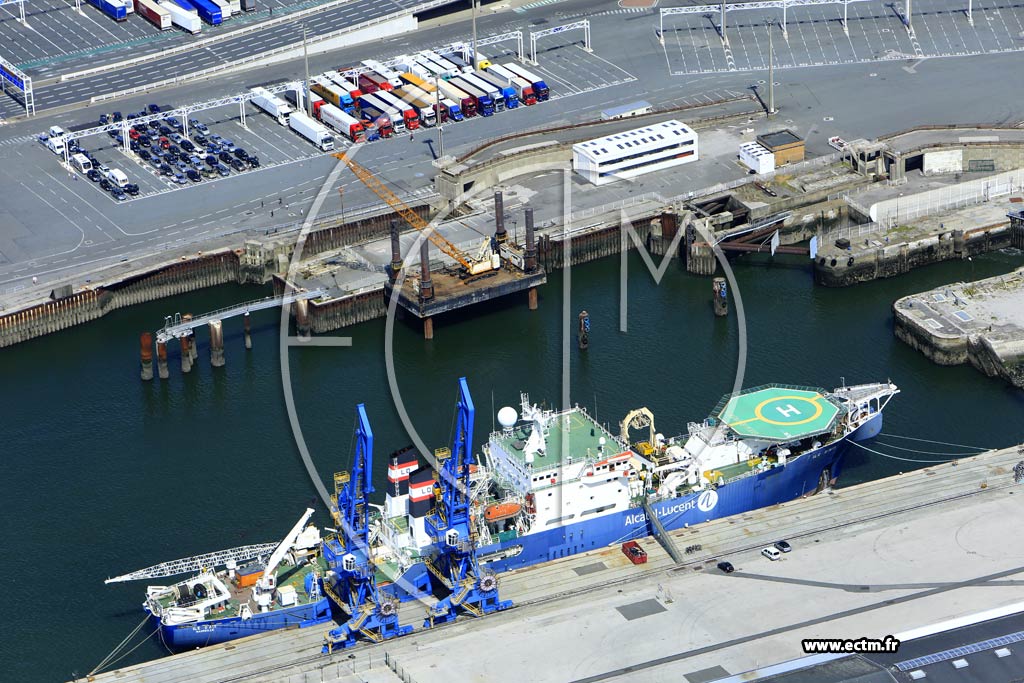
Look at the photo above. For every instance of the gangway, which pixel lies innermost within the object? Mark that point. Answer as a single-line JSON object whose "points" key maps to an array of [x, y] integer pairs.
{"points": [[177, 326], [660, 535], [198, 563]]}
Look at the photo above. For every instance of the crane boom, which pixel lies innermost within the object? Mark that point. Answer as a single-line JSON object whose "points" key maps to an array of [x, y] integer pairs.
{"points": [[284, 546], [195, 564], [403, 210]]}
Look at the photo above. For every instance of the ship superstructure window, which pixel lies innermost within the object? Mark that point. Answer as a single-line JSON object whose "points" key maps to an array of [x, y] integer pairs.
{"points": [[639, 151]]}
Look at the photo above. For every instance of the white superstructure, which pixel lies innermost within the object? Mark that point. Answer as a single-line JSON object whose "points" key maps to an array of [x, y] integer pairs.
{"points": [[635, 152]]}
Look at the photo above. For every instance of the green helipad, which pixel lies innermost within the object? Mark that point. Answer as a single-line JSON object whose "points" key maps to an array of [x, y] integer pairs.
{"points": [[779, 413]]}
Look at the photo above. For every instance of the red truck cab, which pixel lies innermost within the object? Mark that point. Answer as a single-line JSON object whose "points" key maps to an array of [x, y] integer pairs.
{"points": [[634, 552]]}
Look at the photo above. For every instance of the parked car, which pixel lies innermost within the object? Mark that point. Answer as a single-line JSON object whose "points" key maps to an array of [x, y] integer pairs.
{"points": [[207, 172], [154, 109], [726, 567], [116, 117], [241, 154], [105, 184], [201, 127], [154, 125], [180, 179], [223, 170], [254, 162], [200, 139], [784, 546], [165, 169], [211, 161], [164, 130], [634, 552], [119, 194], [193, 175], [176, 138], [238, 165], [113, 133], [187, 145], [771, 552], [93, 175], [174, 149], [164, 142], [132, 189], [145, 140]]}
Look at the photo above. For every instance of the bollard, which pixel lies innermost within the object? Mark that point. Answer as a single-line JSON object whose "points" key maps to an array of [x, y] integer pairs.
{"points": [[720, 297], [583, 330], [186, 354], [216, 344], [161, 360], [147, 356], [247, 331]]}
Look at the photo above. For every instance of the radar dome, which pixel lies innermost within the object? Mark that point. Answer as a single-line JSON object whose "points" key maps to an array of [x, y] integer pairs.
{"points": [[507, 417]]}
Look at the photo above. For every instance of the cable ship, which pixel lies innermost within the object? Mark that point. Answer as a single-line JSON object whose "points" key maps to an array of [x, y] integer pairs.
{"points": [[555, 483]]}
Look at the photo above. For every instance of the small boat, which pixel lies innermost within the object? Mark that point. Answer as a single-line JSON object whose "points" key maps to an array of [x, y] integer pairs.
{"points": [[499, 511]]}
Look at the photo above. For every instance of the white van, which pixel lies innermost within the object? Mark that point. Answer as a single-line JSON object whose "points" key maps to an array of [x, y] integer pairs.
{"points": [[117, 177], [81, 163], [771, 553], [55, 142]]}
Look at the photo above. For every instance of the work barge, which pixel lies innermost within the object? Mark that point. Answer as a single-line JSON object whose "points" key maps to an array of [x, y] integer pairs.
{"points": [[913, 527]]}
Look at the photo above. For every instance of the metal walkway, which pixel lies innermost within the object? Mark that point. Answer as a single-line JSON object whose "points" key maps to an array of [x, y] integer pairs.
{"points": [[195, 564], [175, 327]]}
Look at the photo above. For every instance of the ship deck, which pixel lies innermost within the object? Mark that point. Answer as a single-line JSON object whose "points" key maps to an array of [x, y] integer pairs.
{"points": [[570, 438], [904, 551], [779, 413]]}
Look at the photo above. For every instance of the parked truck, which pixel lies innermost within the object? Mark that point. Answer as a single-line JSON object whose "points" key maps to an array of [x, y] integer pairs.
{"points": [[207, 11], [342, 122], [248, 5], [540, 88], [345, 83], [378, 115], [225, 8], [115, 9], [272, 104], [424, 104], [186, 18], [312, 130], [524, 89], [381, 70], [508, 94], [410, 115], [497, 100], [484, 103], [152, 12], [332, 92], [371, 82], [451, 110], [376, 106], [442, 67], [466, 101], [346, 100]]}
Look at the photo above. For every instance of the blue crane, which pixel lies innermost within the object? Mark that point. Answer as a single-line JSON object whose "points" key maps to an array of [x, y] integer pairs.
{"points": [[354, 587], [454, 562]]}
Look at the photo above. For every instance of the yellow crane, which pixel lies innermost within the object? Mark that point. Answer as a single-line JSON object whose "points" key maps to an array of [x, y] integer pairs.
{"points": [[473, 266]]}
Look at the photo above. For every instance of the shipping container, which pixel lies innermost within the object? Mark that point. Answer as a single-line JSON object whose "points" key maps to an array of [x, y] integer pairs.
{"points": [[115, 9], [153, 13], [206, 10], [342, 122], [185, 18]]}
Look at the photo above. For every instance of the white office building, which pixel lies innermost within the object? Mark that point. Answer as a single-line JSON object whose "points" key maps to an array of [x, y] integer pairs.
{"points": [[755, 157], [635, 152]]}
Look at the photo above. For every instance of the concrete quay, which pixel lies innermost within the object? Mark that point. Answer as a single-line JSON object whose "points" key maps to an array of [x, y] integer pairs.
{"points": [[981, 323], [873, 559]]}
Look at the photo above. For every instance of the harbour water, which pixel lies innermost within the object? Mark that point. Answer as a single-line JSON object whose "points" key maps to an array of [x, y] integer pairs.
{"points": [[104, 474]]}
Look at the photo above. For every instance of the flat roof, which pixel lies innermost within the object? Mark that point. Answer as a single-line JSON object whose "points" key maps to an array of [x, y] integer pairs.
{"points": [[754, 148], [576, 430], [779, 138], [636, 141]]}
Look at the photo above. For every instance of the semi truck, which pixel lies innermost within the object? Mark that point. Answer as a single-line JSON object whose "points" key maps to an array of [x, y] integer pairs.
{"points": [[484, 103], [345, 84], [248, 5], [451, 110], [410, 115], [272, 104], [206, 10], [186, 18], [386, 121], [225, 8], [312, 130], [342, 122], [332, 92], [442, 67], [466, 101], [381, 70], [373, 108], [540, 88], [370, 81], [524, 90], [424, 103], [153, 13], [507, 92], [497, 99], [428, 88], [433, 70], [115, 9], [407, 64]]}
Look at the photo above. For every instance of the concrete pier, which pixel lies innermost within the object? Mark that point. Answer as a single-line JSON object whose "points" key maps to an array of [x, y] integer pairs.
{"points": [[186, 353], [216, 344], [302, 325], [396, 252], [499, 218], [146, 352], [247, 330], [902, 552], [719, 297], [981, 323], [161, 360]]}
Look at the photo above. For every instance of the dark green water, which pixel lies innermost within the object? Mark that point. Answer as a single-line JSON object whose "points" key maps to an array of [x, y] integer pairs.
{"points": [[104, 474]]}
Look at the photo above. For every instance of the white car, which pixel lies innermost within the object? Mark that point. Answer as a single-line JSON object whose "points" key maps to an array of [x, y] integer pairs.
{"points": [[771, 552]]}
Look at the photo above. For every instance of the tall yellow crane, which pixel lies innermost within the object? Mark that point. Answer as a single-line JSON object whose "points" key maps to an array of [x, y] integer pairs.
{"points": [[473, 266]]}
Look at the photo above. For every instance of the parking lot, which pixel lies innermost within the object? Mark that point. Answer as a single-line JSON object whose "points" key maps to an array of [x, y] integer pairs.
{"points": [[814, 35]]}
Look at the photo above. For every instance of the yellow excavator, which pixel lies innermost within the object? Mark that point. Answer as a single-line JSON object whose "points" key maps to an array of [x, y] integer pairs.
{"points": [[485, 260]]}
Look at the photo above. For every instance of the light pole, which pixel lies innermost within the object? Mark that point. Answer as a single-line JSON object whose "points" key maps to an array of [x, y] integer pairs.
{"points": [[771, 73], [341, 195], [474, 62], [440, 135], [305, 58]]}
